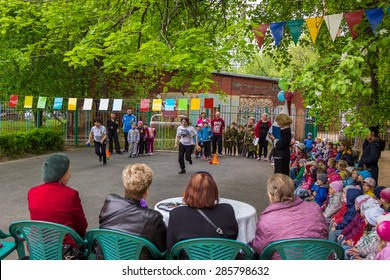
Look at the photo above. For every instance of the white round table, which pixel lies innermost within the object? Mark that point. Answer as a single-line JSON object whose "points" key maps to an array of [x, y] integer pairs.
{"points": [[245, 215]]}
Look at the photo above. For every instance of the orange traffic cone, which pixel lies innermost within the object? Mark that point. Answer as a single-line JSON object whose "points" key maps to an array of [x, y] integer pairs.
{"points": [[215, 159], [108, 156]]}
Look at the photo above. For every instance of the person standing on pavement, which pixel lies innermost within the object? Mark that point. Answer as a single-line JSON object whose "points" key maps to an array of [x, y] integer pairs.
{"points": [[127, 120], [262, 128], [112, 133], [217, 125], [185, 134], [371, 153], [99, 135], [282, 145]]}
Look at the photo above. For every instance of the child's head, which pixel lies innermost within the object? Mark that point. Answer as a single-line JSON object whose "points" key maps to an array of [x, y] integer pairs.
{"points": [[369, 184], [355, 175], [385, 197], [309, 135], [133, 126], [205, 124], [329, 145], [332, 162], [233, 125], [241, 128], [252, 131], [198, 127], [383, 227], [336, 187], [349, 170], [112, 115], [363, 175], [360, 200], [140, 124], [98, 122], [321, 178], [341, 165], [145, 125], [301, 162], [152, 124], [227, 127], [371, 214], [334, 176], [317, 140]]}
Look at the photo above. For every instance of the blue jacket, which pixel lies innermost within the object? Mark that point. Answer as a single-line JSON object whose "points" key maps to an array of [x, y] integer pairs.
{"points": [[207, 133], [127, 120], [321, 194], [308, 143], [200, 137], [352, 194]]}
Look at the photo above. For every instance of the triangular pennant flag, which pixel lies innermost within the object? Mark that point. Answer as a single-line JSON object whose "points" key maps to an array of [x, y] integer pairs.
{"points": [[260, 34], [13, 101], [277, 29], [145, 103], [375, 17], [87, 104], [314, 25], [183, 103], [28, 101], [208, 103], [353, 19], [103, 105], [333, 23], [72, 104], [117, 106], [58, 103], [295, 27], [157, 105], [195, 104], [169, 104], [41, 102]]}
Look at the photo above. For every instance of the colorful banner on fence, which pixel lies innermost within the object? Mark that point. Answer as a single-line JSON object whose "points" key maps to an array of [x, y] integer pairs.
{"points": [[195, 104], [28, 101], [13, 101], [58, 103], [208, 103], [169, 104], [103, 105], [87, 104], [72, 104], [41, 102], [157, 105], [183, 103], [117, 106], [145, 103]]}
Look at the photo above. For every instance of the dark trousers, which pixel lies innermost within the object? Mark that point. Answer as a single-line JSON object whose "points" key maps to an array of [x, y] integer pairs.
{"points": [[113, 138], [207, 148], [263, 145], [217, 139], [126, 149], [185, 151], [282, 166], [100, 150], [142, 146]]}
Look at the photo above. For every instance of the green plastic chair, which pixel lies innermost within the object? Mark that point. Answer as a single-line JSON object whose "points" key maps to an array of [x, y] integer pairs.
{"points": [[210, 249], [44, 239], [117, 245], [7, 247], [304, 249]]}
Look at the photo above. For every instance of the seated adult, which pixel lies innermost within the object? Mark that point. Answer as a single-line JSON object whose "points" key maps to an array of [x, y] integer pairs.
{"points": [[287, 216], [54, 201], [130, 214], [201, 198]]}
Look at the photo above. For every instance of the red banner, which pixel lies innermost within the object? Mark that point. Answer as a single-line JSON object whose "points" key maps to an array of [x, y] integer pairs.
{"points": [[353, 19], [209, 103], [145, 103], [13, 101]]}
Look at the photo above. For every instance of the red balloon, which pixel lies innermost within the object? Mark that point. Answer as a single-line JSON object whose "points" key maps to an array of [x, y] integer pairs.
{"points": [[288, 95]]}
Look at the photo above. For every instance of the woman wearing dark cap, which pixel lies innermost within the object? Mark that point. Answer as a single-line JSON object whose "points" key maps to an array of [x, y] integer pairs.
{"points": [[54, 201], [185, 134]]}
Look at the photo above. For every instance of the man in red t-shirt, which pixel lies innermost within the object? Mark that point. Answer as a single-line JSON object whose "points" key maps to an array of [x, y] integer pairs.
{"points": [[217, 125]]}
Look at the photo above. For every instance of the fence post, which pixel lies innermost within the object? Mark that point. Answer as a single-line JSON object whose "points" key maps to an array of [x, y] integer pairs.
{"points": [[76, 127]]}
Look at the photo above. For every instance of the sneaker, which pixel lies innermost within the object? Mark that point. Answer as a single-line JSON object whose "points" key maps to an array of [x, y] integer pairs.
{"points": [[258, 158], [183, 171], [220, 155], [265, 159], [203, 157], [190, 161], [151, 154], [272, 164]]}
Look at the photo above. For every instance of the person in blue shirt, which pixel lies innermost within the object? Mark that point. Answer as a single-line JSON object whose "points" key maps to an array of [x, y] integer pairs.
{"points": [[127, 120], [207, 135], [309, 142]]}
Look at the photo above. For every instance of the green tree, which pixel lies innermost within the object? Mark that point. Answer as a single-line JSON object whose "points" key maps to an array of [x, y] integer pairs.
{"points": [[350, 75]]}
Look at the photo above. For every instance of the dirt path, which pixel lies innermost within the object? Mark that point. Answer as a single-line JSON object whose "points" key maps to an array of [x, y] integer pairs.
{"points": [[384, 169]]}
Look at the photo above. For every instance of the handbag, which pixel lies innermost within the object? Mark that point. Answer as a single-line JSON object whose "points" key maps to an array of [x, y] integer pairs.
{"points": [[217, 229]]}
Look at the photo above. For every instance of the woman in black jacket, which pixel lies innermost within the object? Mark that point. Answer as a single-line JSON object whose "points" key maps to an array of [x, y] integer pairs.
{"points": [[282, 145], [130, 214]]}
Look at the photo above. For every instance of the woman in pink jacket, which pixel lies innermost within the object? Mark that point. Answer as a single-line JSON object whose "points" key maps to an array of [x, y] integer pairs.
{"points": [[287, 216]]}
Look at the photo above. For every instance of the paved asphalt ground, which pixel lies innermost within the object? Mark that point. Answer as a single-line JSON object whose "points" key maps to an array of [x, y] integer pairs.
{"points": [[237, 178]]}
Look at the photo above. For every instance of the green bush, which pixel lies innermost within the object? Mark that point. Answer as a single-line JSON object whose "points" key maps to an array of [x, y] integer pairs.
{"points": [[35, 141]]}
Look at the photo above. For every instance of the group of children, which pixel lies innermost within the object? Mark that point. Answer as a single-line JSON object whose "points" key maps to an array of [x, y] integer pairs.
{"points": [[355, 208], [141, 139]]}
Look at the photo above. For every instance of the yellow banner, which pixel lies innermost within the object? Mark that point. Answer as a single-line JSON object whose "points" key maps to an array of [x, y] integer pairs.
{"points": [[72, 104], [157, 105], [195, 104], [28, 101], [314, 24]]}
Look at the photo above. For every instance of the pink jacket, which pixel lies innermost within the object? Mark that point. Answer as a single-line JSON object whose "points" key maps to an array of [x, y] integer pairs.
{"points": [[284, 220], [384, 254]]}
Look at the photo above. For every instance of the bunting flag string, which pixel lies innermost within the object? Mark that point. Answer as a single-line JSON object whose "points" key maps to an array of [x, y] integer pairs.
{"points": [[333, 22]]}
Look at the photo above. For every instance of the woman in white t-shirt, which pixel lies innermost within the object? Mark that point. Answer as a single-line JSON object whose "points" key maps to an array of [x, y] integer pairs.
{"points": [[99, 134], [185, 134]]}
